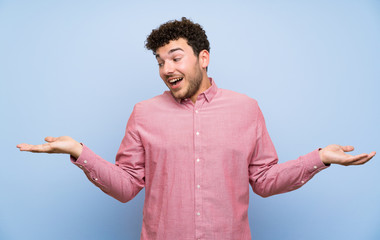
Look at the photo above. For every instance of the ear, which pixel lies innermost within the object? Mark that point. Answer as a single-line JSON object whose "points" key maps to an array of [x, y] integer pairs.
{"points": [[204, 58]]}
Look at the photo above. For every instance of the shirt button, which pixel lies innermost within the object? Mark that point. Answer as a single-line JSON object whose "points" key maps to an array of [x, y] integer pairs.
{"points": [[198, 186], [198, 159], [315, 167], [302, 182], [85, 161], [197, 133], [198, 213], [95, 179], [196, 111]]}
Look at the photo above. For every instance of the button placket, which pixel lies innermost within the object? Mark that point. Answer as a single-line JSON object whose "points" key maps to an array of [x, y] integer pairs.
{"points": [[197, 171]]}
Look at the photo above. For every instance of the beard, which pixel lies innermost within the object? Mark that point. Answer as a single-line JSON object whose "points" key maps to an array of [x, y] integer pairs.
{"points": [[193, 87]]}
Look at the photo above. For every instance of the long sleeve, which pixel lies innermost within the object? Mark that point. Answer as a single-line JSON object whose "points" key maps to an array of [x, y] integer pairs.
{"points": [[124, 179], [196, 161], [267, 177]]}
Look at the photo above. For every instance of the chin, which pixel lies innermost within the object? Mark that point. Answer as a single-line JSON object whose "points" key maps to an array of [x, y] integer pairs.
{"points": [[179, 95]]}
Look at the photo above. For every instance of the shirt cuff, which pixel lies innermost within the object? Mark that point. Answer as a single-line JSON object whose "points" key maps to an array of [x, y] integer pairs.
{"points": [[314, 164], [86, 159]]}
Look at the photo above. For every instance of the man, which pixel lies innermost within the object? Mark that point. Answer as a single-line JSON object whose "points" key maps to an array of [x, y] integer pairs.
{"points": [[195, 149]]}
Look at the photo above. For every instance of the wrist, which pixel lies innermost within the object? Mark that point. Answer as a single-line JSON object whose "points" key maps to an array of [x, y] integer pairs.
{"points": [[322, 157], [76, 150]]}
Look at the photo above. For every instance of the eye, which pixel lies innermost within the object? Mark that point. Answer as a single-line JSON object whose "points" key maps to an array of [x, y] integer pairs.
{"points": [[160, 64], [176, 59]]}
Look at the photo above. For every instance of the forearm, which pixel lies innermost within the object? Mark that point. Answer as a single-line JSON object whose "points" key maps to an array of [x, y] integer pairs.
{"points": [[110, 178], [274, 178]]}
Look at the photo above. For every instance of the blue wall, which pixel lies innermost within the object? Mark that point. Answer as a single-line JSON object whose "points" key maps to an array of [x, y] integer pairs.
{"points": [[77, 68]]}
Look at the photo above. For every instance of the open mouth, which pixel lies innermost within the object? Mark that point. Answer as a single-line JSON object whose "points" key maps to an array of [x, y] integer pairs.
{"points": [[175, 81]]}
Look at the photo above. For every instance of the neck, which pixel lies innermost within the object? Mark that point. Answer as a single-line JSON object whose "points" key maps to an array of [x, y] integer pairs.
{"points": [[204, 86]]}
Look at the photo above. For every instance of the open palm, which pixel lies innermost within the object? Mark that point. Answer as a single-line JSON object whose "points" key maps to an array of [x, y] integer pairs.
{"points": [[336, 154], [63, 144]]}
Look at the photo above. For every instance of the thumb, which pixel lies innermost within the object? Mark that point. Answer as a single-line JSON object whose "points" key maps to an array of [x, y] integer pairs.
{"points": [[50, 139], [347, 148]]}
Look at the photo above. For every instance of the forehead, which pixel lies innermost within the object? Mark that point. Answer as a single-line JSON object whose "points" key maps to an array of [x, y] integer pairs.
{"points": [[172, 47]]}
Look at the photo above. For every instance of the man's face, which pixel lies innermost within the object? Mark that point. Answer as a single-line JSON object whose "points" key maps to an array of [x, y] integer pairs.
{"points": [[179, 68]]}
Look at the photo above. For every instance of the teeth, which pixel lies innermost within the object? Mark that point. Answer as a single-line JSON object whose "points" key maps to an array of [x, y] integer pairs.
{"points": [[175, 80]]}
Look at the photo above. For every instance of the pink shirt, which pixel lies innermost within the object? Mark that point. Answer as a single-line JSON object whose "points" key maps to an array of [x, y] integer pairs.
{"points": [[196, 162]]}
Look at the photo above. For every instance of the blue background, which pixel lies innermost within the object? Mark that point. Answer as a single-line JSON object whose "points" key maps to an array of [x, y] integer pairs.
{"points": [[78, 67]]}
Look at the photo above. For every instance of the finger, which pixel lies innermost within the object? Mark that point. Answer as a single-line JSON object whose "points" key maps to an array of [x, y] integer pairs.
{"points": [[361, 161], [362, 156], [357, 157], [372, 154], [350, 160], [23, 146], [50, 139], [35, 148], [20, 145], [347, 148]]}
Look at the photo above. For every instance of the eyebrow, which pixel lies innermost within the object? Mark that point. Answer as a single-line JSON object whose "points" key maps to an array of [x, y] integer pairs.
{"points": [[171, 51]]}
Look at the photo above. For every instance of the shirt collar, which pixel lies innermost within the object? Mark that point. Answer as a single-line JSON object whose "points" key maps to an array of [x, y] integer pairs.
{"points": [[211, 91]]}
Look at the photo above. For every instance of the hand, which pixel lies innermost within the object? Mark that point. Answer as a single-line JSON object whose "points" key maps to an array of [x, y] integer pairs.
{"points": [[336, 154], [62, 144]]}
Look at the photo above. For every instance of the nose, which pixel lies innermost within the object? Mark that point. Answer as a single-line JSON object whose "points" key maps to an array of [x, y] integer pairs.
{"points": [[168, 68]]}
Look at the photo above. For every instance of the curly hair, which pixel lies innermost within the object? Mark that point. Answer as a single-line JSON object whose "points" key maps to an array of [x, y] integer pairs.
{"points": [[173, 30]]}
